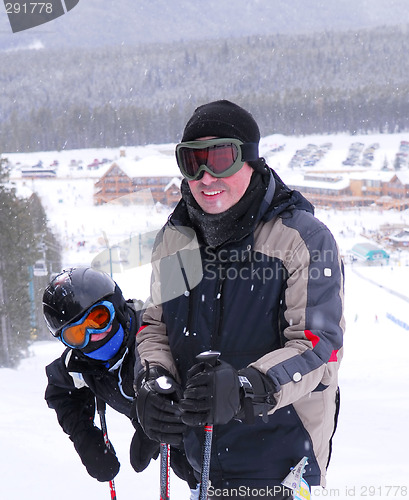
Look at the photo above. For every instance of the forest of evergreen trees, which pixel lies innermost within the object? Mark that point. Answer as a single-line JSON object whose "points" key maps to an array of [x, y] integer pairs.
{"points": [[352, 82], [24, 239]]}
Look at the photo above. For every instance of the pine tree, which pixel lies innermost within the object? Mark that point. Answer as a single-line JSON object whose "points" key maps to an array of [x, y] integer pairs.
{"points": [[23, 227]]}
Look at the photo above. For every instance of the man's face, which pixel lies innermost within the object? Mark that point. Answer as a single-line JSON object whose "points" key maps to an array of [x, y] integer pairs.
{"points": [[217, 194]]}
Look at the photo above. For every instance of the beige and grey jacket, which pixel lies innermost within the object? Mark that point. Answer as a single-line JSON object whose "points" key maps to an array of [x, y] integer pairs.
{"points": [[272, 300]]}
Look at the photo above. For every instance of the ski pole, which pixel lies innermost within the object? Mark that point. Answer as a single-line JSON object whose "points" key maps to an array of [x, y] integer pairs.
{"points": [[164, 385], [101, 412], [164, 471], [211, 358]]}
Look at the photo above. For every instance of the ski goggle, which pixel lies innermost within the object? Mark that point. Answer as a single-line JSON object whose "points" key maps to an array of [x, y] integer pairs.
{"points": [[218, 157], [98, 319]]}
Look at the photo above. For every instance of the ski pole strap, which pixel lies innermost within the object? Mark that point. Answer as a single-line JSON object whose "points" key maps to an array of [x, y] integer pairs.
{"points": [[247, 396], [164, 471]]}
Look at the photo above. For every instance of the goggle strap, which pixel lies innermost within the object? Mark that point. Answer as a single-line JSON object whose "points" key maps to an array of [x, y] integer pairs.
{"points": [[249, 151]]}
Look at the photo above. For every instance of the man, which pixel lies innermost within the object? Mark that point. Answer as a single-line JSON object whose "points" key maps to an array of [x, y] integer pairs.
{"points": [[268, 296], [85, 309]]}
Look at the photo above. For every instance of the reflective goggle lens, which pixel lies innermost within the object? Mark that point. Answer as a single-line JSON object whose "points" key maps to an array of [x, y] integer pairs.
{"points": [[97, 320], [219, 157]]}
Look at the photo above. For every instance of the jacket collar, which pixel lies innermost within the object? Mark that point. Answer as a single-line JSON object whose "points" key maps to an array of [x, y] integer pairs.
{"points": [[284, 199]]}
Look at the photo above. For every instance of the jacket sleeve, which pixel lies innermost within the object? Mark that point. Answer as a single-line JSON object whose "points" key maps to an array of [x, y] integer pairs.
{"points": [[74, 403], [152, 344], [312, 322], [176, 267]]}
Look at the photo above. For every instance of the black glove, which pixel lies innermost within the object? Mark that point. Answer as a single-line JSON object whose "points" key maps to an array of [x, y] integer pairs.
{"points": [[100, 462], [212, 394], [215, 395], [256, 395], [158, 412], [142, 449]]}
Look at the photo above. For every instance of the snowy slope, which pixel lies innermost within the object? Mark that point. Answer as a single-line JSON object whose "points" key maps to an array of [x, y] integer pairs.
{"points": [[370, 452], [38, 461], [370, 447]]}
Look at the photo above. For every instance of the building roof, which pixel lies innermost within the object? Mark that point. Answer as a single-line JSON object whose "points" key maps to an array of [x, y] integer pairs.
{"points": [[158, 165], [373, 175], [381, 175], [368, 248], [401, 236], [299, 179], [174, 182]]}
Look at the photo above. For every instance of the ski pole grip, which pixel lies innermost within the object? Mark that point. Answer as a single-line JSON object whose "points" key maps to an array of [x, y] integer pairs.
{"points": [[101, 405], [210, 357], [164, 385]]}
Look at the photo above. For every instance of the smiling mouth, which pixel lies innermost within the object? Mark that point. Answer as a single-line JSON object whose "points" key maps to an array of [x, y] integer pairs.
{"points": [[99, 336], [211, 193]]}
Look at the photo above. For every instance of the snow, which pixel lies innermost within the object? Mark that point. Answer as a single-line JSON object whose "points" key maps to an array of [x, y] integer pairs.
{"points": [[370, 450]]}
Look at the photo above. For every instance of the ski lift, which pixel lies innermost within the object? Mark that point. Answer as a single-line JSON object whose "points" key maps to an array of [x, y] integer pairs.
{"points": [[40, 269]]}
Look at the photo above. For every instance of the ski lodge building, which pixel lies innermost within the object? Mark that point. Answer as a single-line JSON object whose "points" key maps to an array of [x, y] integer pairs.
{"points": [[350, 184], [384, 190], [136, 180], [340, 189]]}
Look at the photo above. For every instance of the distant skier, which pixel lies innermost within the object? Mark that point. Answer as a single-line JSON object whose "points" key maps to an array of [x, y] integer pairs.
{"points": [[85, 309]]}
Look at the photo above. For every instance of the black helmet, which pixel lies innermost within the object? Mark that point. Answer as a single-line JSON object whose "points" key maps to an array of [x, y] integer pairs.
{"points": [[73, 291]]}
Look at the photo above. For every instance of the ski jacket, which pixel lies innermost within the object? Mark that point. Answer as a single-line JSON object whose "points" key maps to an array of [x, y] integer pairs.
{"points": [[74, 381], [272, 301]]}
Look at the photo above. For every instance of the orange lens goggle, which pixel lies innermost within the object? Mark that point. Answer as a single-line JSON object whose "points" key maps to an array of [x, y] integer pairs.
{"points": [[96, 320]]}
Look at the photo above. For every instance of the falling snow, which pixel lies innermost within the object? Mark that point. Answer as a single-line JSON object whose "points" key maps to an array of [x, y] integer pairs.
{"points": [[371, 443]]}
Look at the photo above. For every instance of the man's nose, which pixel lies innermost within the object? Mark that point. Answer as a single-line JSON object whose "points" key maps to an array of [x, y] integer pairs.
{"points": [[207, 178]]}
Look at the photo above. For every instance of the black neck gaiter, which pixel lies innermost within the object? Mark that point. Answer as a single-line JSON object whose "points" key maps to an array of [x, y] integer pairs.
{"points": [[233, 224]]}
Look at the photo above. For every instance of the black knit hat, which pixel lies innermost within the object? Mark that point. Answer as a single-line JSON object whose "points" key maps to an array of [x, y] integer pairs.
{"points": [[222, 119]]}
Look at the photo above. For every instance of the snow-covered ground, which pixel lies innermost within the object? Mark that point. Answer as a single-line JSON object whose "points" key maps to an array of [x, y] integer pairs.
{"points": [[370, 452]]}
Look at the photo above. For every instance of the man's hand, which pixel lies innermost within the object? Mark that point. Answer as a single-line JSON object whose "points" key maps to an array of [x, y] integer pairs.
{"points": [[158, 411], [217, 394], [212, 394]]}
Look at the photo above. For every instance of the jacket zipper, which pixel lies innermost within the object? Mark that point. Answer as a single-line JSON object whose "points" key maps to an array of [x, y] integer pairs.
{"points": [[218, 322], [187, 293]]}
